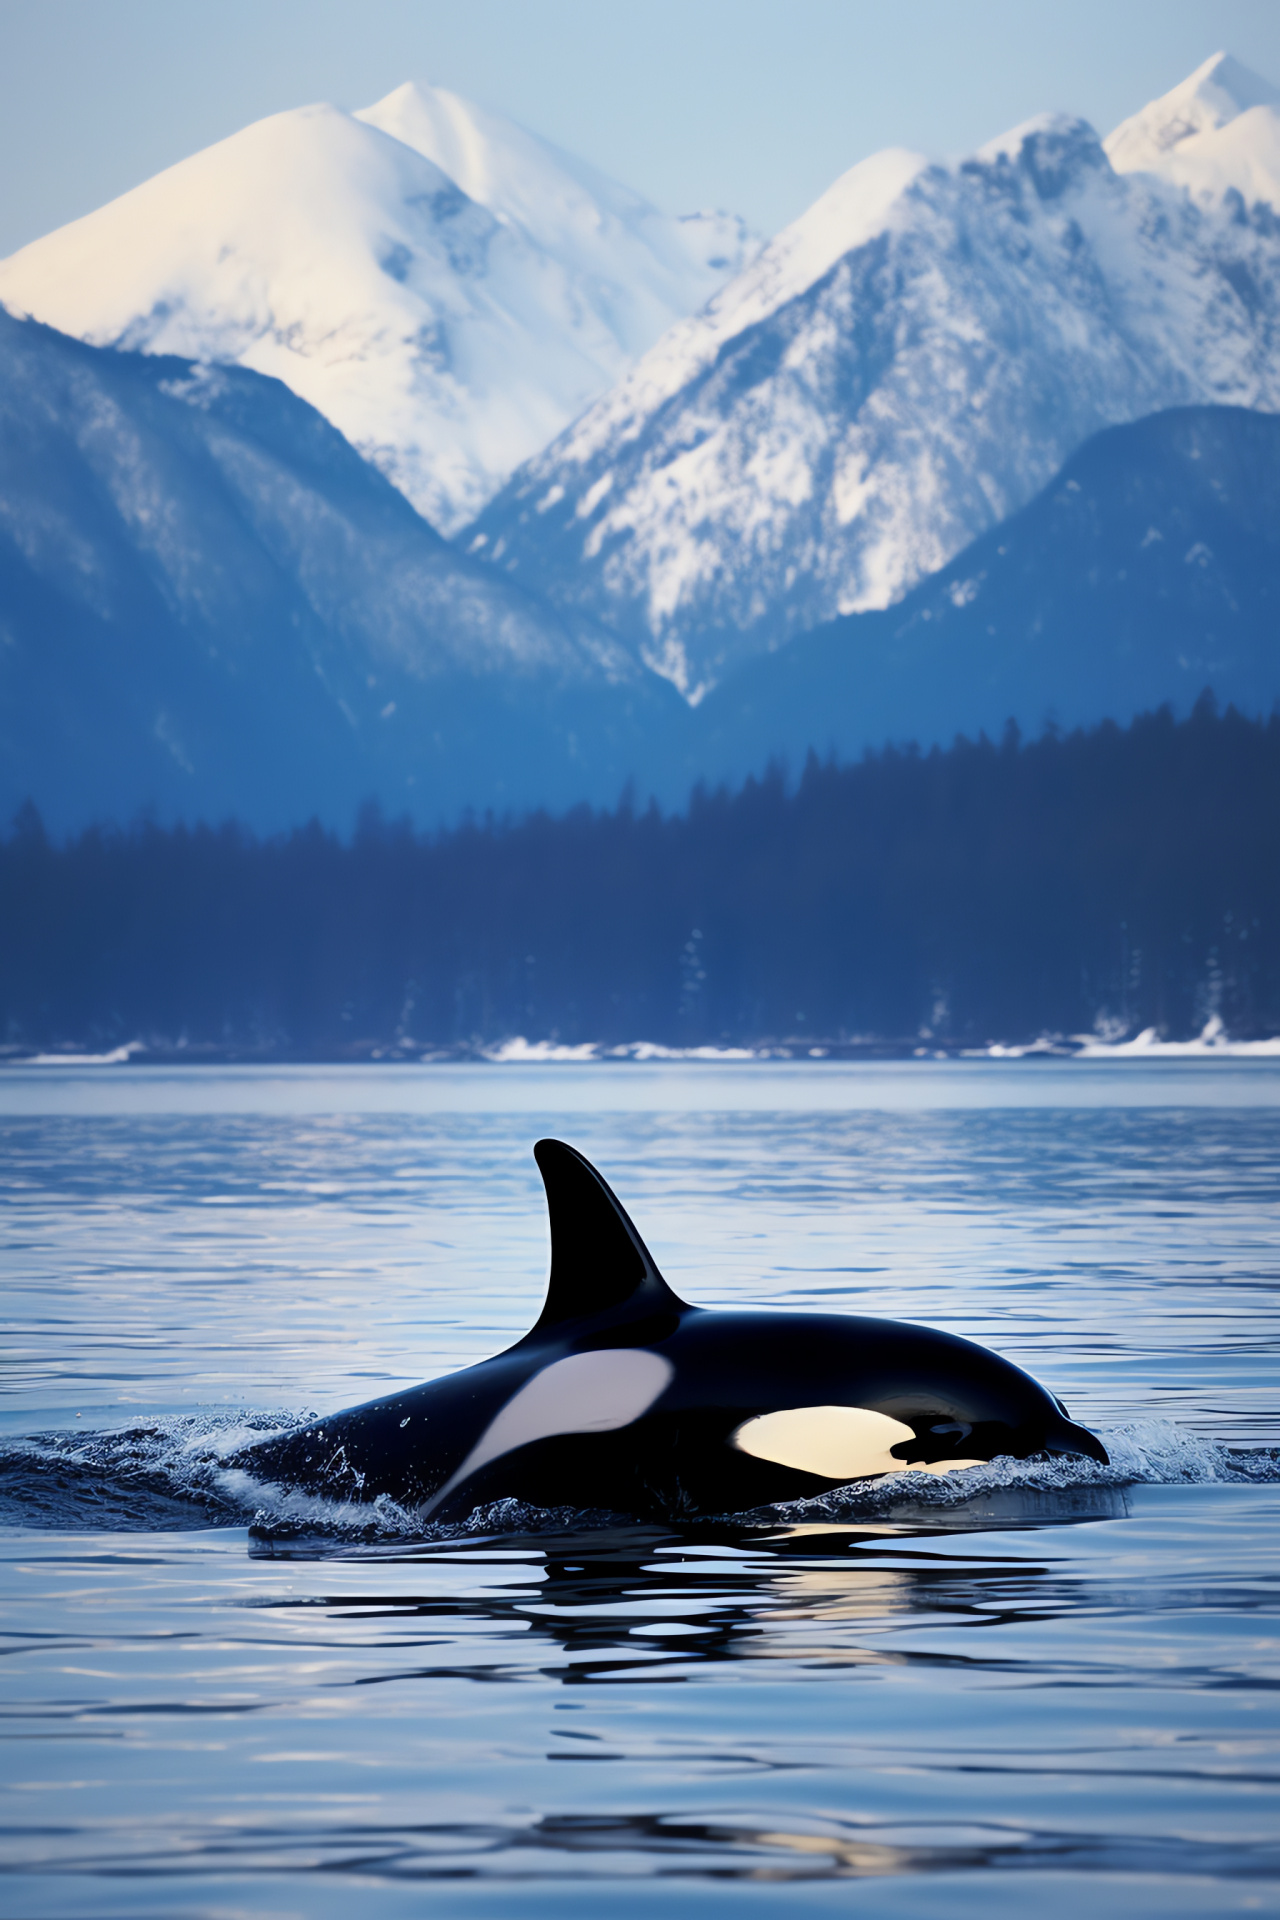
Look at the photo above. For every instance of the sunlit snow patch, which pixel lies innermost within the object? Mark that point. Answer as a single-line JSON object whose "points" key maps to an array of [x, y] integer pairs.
{"points": [[1211, 1042], [117, 1057], [538, 1052]]}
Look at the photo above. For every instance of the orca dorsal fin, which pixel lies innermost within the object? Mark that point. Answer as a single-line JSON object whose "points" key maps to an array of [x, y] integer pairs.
{"points": [[598, 1260]]}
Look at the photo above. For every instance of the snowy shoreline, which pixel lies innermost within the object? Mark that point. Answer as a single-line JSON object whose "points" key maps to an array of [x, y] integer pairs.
{"points": [[1212, 1043]]}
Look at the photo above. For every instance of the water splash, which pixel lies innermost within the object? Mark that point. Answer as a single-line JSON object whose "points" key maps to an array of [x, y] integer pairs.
{"points": [[149, 1475], [173, 1473], [1149, 1452]]}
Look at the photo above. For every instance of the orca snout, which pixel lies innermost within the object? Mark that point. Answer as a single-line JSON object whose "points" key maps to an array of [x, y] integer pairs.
{"points": [[1066, 1437]]}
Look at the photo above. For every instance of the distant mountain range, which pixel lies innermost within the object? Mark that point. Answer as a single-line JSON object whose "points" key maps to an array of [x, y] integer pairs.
{"points": [[211, 605], [968, 442], [448, 289], [899, 370]]}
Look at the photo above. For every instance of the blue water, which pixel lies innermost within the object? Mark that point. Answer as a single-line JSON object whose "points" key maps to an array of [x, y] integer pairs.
{"points": [[1009, 1690]]}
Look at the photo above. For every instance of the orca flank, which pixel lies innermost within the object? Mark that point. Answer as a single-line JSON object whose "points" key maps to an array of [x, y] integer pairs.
{"points": [[624, 1397]]}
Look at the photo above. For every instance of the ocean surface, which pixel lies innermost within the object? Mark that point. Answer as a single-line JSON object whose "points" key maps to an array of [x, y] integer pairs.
{"points": [[1021, 1689]]}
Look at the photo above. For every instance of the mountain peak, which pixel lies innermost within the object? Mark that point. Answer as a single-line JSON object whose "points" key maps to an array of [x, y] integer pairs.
{"points": [[516, 174], [449, 289], [1225, 87], [616, 239], [1193, 134]]}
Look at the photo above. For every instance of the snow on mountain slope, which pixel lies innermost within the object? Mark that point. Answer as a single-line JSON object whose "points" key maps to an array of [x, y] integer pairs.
{"points": [[442, 335], [896, 372], [1218, 130], [638, 268]]}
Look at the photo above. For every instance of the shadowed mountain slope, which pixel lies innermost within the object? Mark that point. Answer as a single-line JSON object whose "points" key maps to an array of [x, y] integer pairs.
{"points": [[211, 604], [1148, 570]]}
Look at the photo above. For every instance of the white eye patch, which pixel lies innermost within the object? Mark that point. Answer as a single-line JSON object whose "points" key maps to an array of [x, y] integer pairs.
{"points": [[837, 1443], [586, 1393]]}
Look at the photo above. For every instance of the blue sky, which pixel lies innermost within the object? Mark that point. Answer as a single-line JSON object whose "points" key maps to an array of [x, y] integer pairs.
{"points": [[754, 105]]}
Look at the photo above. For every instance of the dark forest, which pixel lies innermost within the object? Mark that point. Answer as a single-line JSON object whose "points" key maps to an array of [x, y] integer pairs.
{"points": [[1106, 881]]}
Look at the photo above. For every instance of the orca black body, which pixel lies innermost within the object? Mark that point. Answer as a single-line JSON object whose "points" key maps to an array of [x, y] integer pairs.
{"points": [[625, 1398]]}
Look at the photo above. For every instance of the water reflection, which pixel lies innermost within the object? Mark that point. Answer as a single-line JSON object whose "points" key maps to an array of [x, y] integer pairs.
{"points": [[666, 1847], [614, 1601], [1074, 1687]]}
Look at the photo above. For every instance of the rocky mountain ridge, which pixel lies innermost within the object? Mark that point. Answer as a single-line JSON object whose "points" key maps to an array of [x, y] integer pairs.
{"points": [[899, 370]]}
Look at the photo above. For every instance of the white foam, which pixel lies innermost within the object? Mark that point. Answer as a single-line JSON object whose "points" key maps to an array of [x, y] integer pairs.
{"points": [[1143, 1453], [184, 1459]]}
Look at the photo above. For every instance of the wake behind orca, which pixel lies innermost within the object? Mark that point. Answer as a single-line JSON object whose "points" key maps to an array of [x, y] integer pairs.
{"points": [[624, 1397]]}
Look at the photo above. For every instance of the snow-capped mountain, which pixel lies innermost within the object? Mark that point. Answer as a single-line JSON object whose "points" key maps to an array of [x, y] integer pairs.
{"points": [[635, 267], [897, 371], [449, 323], [211, 605], [1219, 130]]}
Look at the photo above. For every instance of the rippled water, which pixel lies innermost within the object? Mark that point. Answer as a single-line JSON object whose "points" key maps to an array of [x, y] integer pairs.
{"points": [[947, 1700]]}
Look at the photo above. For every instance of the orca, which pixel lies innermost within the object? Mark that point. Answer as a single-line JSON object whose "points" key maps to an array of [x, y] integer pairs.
{"points": [[623, 1397]]}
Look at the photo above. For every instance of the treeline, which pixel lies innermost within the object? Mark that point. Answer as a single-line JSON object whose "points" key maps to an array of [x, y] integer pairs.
{"points": [[1109, 880]]}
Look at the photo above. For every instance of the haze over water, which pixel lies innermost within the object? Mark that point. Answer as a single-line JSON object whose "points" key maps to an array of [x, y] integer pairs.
{"points": [[1030, 1688]]}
